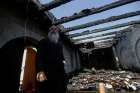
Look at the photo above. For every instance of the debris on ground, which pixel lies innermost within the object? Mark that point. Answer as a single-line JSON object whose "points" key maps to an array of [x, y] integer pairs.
{"points": [[113, 80]]}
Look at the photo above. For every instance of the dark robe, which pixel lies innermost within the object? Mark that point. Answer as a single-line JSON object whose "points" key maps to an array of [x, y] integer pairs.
{"points": [[50, 60]]}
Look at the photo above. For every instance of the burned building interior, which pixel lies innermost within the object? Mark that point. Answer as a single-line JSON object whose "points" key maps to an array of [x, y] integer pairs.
{"points": [[23, 23]]}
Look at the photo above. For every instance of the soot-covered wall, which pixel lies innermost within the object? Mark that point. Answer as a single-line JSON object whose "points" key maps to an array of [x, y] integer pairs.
{"points": [[99, 59], [15, 27]]}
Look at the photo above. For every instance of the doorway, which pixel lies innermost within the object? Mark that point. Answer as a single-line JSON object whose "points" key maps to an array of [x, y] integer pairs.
{"points": [[28, 71], [11, 55]]}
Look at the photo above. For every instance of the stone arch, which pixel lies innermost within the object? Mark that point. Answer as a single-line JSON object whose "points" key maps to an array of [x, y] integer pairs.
{"points": [[7, 36]]}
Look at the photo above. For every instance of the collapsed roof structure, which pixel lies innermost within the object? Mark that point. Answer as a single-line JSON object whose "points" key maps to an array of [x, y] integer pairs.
{"points": [[99, 41]]}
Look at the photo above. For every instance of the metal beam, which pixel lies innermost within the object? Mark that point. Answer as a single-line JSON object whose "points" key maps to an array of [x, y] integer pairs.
{"points": [[53, 4], [104, 45], [101, 47], [84, 50], [101, 35], [95, 39], [87, 32], [118, 34], [101, 21], [94, 11], [97, 46], [104, 41], [111, 37]]}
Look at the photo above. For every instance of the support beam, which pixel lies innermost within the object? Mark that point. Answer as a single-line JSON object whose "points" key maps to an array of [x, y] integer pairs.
{"points": [[97, 46], [85, 50], [95, 10], [95, 39], [105, 29], [51, 16], [37, 3], [101, 21], [118, 34], [53, 19], [96, 36], [107, 42], [104, 41], [102, 47], [48, 14], [53, 4], [106, 37], [103, 44]]}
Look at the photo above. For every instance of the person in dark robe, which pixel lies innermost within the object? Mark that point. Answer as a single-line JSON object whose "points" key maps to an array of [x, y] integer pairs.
{"points": [[50, 67]]}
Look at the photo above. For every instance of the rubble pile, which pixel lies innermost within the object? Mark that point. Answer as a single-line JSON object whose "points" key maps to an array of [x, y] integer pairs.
{"points": [[113, 81]]}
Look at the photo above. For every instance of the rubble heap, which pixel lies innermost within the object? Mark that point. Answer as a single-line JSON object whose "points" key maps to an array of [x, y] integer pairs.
{"points": [[113, 81]]}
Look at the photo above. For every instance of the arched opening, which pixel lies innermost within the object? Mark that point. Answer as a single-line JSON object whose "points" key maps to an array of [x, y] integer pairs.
{"points": [[11, 60]]}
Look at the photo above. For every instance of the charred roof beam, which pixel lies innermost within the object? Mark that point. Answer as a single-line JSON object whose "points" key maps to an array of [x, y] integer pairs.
{"points": [[54, 4], [94, 11], [103, 46], [87, 32], [50, 5], [95, 39], [101, 21], [37, 3], [118, 34]]}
